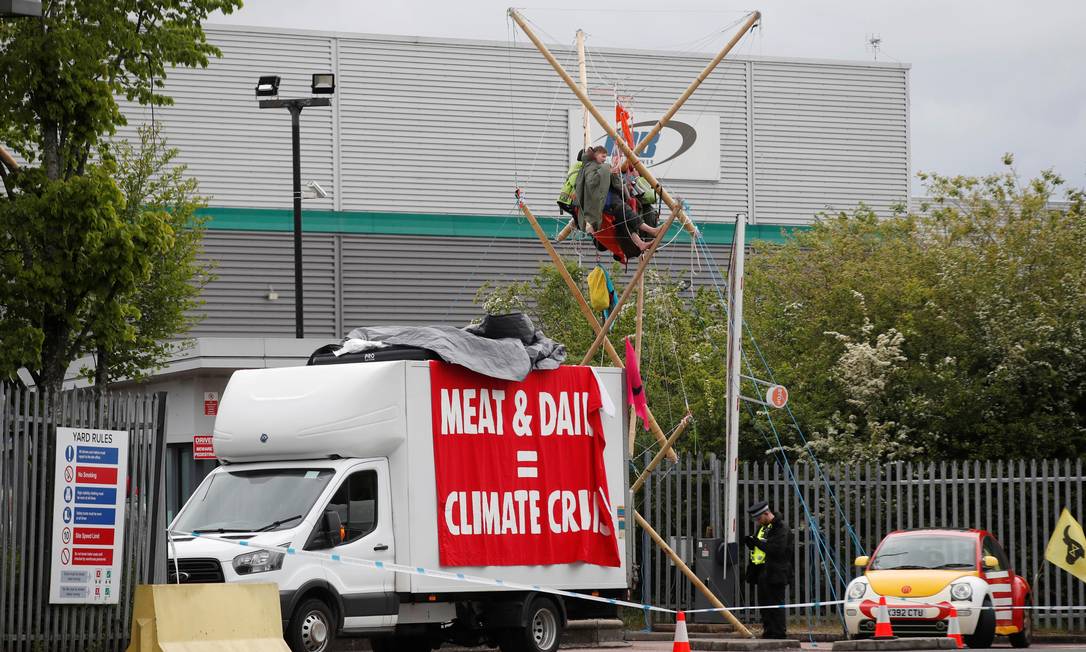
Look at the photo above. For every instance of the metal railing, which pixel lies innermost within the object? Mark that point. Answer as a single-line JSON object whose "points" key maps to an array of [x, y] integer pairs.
{"points": [[28, 422], [1018, 501]]}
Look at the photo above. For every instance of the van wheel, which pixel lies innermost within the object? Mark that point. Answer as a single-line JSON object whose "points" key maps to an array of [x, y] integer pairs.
{"points": [[1024, 637], [984, 634], [311, 628], [542, 634]]}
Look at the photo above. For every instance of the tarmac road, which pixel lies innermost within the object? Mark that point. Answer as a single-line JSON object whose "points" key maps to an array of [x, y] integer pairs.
{"points": [[664, 646]]}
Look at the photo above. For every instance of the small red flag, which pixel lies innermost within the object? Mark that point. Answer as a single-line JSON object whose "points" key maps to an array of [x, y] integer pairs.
{"points": [[622, 116], [635, 389]]}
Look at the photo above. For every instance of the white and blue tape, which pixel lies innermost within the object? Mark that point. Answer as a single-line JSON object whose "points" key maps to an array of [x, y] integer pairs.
{"points": [[516, 586], [429, 572]]}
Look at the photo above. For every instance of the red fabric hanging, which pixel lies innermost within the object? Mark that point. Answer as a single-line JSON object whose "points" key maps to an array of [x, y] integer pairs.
{"points": [[622, 116]]}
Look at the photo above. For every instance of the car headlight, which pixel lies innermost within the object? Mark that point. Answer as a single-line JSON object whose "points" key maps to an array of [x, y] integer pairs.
{"points": [[857, 590], [260, 561], [961, 592]]}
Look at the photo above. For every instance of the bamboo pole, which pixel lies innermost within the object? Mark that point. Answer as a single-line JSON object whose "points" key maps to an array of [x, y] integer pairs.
{"points": [[585, 309], [690, 575], [654, 427], [661, 453], [584, 87], [628, 290], [8, 159], [676, 208], [662, 122]]}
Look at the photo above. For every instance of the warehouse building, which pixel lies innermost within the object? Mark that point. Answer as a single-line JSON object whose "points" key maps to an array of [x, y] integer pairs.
{"points": [[421, 151]]}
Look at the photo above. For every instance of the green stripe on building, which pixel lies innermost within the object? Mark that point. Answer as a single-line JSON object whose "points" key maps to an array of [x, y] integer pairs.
{"points": [[438, 225]]}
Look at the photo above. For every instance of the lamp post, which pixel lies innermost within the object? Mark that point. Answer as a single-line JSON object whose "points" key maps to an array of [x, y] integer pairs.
{"points": [[267, 89]]}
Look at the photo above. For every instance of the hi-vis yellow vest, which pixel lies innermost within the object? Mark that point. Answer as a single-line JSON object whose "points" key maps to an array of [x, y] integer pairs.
{"points": [[757, 555]]}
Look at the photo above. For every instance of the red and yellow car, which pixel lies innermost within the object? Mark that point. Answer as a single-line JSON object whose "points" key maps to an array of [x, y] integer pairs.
{"points": [[922, 573]]}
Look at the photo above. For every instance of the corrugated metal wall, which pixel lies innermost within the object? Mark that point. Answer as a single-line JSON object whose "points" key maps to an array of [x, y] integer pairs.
{"points": [[450, 127], [827, 137], [355, 280]]}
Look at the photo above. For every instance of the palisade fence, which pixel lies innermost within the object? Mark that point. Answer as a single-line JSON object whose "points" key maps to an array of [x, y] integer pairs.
{"points": [[28, 422], [1017, 500]]}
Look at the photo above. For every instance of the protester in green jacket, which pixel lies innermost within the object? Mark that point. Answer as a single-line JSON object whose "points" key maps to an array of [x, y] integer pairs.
{"points": [[593, 183]]}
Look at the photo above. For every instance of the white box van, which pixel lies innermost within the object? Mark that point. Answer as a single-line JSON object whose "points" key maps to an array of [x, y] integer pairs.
{"points": [[341, 459]]}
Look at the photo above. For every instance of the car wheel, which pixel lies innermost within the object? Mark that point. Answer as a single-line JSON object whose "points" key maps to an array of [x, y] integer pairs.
{"points": [[1024, 637], [312, 627], [543, 632], [984, 634]]}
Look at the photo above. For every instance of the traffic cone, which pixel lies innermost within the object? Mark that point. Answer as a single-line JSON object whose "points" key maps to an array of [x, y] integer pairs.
{"points": [[882, 621], [682, 641], [954, 629]]}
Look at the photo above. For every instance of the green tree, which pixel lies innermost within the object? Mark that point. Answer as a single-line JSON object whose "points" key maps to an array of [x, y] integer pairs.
{"points": [[957, 331], [63, 72], [154, 188], [76, 257], [953, 332]]}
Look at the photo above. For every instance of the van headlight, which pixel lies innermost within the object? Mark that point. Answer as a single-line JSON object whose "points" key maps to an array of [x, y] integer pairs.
{"points": [[260, 561], [961, 592], [857, 590]]}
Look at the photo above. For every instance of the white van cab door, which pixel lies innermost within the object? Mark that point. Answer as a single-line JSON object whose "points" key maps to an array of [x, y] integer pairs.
{"points": [[364, 504]]}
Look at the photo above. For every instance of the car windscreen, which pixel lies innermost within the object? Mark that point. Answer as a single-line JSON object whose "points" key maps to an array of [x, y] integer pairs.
{"points": [[914, 551], [262, 500]]}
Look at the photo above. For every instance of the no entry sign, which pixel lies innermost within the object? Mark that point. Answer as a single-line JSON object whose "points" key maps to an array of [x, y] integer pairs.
{"points": [[88, 516], [776, 396]]}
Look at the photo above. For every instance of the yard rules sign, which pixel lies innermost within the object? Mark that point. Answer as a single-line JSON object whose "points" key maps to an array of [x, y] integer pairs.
{"points": [[519, 465]]}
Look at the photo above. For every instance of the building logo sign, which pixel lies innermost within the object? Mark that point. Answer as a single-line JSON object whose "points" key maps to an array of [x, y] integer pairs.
{"points": [[687, 148]]}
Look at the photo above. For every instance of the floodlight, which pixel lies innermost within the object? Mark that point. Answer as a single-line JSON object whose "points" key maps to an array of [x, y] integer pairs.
{"points": [[324, 83], [12, 8], [267, 86]]}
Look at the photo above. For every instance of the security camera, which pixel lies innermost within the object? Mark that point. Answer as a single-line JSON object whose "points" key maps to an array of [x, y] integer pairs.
{"points": [[313, 190]]}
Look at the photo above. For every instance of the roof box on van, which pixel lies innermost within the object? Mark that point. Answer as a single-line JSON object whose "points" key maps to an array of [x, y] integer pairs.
{"points": [[326, 355], [293, 413]]}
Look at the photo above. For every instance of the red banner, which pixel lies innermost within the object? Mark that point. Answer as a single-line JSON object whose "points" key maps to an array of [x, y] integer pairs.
{"points": [[519, 466]]}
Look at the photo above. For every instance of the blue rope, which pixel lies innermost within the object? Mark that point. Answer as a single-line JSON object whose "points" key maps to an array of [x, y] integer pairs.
{"points": [[821, 545], [795, 422]]}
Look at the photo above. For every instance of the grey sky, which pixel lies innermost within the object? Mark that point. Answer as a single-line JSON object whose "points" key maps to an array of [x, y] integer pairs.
{"points": [[988, 76]]}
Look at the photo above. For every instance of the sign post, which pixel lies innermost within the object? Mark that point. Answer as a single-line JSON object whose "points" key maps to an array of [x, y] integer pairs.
{"points": [[88, 516]]}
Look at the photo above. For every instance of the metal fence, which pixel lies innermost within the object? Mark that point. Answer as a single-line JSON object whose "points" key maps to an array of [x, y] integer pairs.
{"points": [[28, 422], [1018, 501]]}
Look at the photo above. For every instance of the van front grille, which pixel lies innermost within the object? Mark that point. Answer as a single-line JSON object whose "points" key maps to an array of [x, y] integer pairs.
{"points": [[194, 571]]}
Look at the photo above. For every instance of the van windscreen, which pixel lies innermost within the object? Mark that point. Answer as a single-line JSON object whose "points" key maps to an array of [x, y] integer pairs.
{"points": [[262, 500]]}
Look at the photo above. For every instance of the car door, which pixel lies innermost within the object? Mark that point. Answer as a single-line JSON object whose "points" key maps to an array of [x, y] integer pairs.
{"points": [[364, 504], [1000, 581]]}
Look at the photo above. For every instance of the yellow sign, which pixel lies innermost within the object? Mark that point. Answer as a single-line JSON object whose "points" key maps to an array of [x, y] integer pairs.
{"points": [[1067, 547]]}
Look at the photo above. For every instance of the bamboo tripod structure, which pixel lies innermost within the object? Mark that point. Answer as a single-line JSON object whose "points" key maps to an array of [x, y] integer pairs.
{"points": [[637, 282], [748, 25]]}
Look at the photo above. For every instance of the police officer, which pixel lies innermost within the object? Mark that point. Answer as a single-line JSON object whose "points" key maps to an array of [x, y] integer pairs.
{"points": [[770, 567]]}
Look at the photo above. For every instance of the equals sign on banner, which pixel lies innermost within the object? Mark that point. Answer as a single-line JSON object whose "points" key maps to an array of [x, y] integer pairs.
{"points": [[526, 461]]}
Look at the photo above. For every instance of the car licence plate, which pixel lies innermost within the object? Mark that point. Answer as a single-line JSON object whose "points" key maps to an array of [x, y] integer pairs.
{"points": [[906, 613]]}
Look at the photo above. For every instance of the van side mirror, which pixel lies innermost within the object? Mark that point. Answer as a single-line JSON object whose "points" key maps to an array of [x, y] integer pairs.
{"points": [[333, 528], [990, 562], [861, 562]]}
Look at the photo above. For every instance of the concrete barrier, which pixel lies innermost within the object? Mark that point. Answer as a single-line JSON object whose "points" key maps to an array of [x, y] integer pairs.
{"points": [[207, 618]]}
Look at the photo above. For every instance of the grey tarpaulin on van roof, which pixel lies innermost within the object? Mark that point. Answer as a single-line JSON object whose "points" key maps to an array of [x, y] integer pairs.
{"points": [[501, 346]]}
